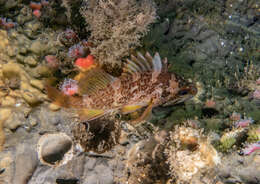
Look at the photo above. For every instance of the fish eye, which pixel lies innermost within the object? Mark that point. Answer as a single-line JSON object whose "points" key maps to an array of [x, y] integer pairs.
{"points": [[183, 92]]}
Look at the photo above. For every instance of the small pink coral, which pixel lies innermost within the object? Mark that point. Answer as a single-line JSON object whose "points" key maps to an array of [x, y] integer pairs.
{"points": [[77, 51], [258, 81], [243, 123], [251, 148], [52, 61], [85, 63], [256, 94], [210, 103], [37, 13], [69, 87]]}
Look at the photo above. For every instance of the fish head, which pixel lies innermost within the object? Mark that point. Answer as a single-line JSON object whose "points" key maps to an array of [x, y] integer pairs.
{"points": [[180, 91], [185, 93]]}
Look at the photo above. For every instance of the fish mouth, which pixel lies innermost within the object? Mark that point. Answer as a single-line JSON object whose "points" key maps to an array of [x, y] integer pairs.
{"points": [[184, 98], [178, 100], [185, 93]]}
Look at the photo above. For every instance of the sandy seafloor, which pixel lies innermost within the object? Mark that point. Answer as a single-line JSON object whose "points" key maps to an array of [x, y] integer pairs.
{"points": [[211, 138]]}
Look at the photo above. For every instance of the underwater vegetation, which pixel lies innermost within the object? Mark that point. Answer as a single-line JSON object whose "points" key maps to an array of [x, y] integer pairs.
{"points": [[116, 26], [91, 81], [182, 155]]}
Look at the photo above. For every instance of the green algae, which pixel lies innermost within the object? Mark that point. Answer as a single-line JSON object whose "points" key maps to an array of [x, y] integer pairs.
{"points": [[226, 144], [188, 112], [253, 134]]}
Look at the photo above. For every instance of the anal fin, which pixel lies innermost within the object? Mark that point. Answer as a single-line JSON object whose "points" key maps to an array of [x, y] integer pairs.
{"points": [[144, 116], [130, 108]]}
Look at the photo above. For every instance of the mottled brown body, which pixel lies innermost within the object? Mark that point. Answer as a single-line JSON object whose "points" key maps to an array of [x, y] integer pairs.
{"points": [[144, 82], [136, 89]]}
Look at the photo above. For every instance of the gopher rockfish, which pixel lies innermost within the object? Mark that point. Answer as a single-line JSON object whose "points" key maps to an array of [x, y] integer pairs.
{"points": [[144, 82]]}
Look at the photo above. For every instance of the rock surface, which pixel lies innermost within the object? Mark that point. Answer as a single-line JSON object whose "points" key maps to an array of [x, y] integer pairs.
{"points": [[240, 169], [25, 164], [214, 43]]}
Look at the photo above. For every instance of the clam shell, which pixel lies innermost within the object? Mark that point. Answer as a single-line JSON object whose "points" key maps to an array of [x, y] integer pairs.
{"points": [[55, 149]]}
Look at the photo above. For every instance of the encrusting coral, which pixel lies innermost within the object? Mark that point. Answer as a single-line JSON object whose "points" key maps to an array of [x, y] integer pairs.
{"points": [[146, 161], [191, 157], [116, 26], [181, 156]]}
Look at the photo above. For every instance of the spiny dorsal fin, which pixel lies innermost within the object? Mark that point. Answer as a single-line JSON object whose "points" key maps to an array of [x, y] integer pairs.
{"points": [[141, 63], [157, 62], [94, 80]]}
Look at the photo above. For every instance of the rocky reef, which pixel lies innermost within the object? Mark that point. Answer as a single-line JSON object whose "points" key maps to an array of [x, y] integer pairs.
{"points": [[213, 138]]}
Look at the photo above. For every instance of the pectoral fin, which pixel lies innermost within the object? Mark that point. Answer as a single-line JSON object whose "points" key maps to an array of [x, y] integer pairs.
{"points": [[130, 108], [90, 114], [145, 115]]}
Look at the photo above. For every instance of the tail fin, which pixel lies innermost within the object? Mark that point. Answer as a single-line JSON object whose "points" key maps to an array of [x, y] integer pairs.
{"points": [[57, 97], [60, 99]]}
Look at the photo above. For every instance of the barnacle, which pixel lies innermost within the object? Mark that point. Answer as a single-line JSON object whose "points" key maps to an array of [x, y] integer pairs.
{"points": [[99, 135], [191, 157], [55, 149], [146, 161]]}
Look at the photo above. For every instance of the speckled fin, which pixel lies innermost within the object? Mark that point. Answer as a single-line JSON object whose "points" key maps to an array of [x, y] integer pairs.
{"points": [[94, 80], [141, 63]]}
